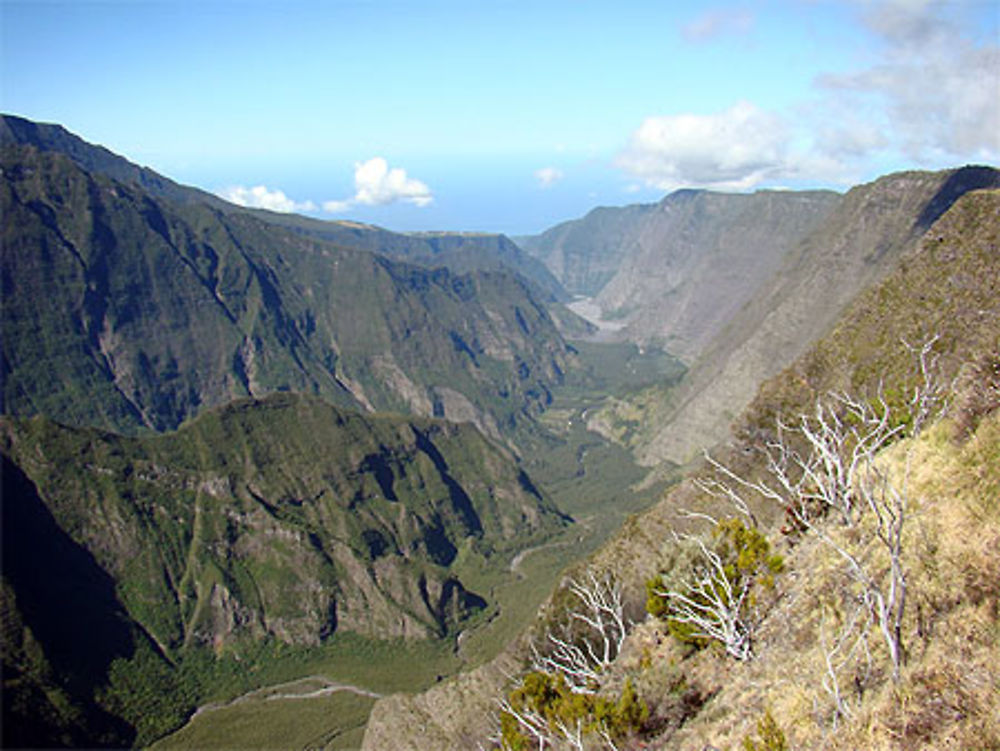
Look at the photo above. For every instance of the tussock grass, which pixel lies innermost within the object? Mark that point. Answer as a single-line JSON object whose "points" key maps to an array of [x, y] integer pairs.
{"points": [[948, 695]]}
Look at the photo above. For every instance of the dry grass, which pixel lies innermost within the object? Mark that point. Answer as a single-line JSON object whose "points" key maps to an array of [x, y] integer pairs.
{"points": [[948, 695]]}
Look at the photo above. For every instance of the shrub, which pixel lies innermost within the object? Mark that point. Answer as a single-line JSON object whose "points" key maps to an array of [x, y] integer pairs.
{"points": [[544, 709], [772, 737], [718, 598]]}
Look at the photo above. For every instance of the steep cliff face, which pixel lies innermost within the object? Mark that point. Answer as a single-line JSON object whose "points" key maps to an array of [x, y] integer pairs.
{"points": [[284, 517], [135, 567], [855, 247], [126, 310], [699, 257], [585, 254], [675, 272]]}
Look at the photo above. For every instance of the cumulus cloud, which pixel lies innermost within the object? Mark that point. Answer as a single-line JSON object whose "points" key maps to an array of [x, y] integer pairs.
{"points": [[929, 95], [548, 176], [260, 197], [731, 150], [376, 184], [937, 89]]}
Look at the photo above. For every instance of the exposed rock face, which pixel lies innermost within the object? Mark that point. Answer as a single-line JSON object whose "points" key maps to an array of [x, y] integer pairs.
{"points": [[854, 248], [326, 520], [126, 309], [700, 257], [585, 254], [677, 271]]}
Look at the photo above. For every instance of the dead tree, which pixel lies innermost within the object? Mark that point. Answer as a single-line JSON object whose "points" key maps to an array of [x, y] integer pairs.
{"points": [[713, 602], [824, 472], [592, 638]]}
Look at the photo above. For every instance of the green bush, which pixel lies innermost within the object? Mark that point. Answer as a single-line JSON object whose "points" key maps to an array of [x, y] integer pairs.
{"points": [[747, 559], [772, 737], [550, 699]]}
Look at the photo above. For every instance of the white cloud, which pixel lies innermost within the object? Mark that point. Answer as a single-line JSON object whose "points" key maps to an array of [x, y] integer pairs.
{"points": [[548, 176], [376, 184], [930, 95], [937, 92], [732, 150], [260, 197]]}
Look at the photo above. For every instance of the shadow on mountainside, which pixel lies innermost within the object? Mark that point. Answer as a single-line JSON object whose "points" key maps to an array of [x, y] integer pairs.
{"points": [[963, 180], [68, 603]]}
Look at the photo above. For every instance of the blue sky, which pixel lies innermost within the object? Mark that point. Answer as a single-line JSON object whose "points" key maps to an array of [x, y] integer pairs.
{"points": [[509, 116]]}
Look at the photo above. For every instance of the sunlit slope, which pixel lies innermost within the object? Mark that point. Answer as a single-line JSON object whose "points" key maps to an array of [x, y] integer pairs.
{"points": [[284, 521], [128, 311]]}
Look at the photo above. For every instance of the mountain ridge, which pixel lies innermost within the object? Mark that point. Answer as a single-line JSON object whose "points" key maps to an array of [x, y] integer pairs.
{"points": [[858, 245], [276, 310], [462, 252]]}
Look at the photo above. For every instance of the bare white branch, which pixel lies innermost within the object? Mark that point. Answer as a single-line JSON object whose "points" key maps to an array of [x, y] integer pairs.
{"points": [[825, 466], [580, 655], [712, 601], [928, 395]]}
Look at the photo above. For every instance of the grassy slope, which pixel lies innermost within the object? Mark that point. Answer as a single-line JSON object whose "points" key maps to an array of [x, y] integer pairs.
{"points": [[947, 283], [948, 695]]}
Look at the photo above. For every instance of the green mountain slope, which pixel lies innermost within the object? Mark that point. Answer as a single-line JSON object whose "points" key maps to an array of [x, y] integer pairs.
{"points": [[460, 252], [281, 521], [125, 310]]}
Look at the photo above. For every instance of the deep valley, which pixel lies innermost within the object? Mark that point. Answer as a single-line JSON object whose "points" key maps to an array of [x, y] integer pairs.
{"points": [[271, 481]]}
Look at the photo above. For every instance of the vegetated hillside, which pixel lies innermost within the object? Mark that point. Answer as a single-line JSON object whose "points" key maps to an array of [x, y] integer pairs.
{"points": [[285, 521], [855, 246], [944, 293], [461, 252], [125, 310]]}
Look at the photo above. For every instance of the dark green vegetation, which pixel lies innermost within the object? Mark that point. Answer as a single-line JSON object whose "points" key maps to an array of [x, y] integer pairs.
{"points": [[125, 310], [545, 700], [267, 525]]}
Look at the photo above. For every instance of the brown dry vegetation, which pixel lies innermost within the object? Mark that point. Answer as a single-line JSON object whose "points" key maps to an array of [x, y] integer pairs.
{"points": [[948, 695]]}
